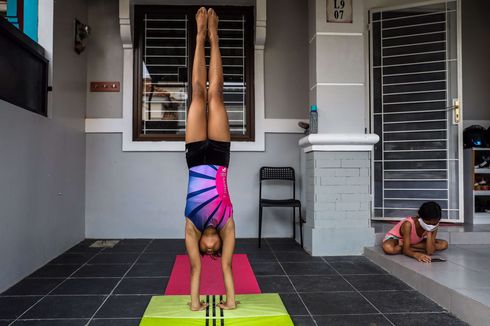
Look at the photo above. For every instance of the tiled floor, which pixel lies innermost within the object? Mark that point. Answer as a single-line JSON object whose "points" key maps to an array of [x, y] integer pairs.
{"points": [[86, 286], [460, 283]]}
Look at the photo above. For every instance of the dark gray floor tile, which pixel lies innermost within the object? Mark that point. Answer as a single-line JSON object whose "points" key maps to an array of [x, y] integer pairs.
{"points": [[259, 256], [124, 306], [96, 270], [302, 321], [167, 245], [274, 284], [5, 322], [269, 268], [51, 322], [115, 258], [356, 267], [33, 286], [320, 283], [284, 245], [296, 256], [293, 304], [115, 322], [161, 257], [251, 244], [13, 307], [75, 258], [84, 246], [149, 270], [64, 307], [83, 249], [402, 301], [55, 271], [313, 268], [346, 258], [153, 285], [352, 320], [129, 248], [376, 282], [79, 286], [425, 319], [333, 303]]}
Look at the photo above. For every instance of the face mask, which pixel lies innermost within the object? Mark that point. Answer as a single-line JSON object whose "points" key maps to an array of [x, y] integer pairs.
{"points": [[427, 227]]}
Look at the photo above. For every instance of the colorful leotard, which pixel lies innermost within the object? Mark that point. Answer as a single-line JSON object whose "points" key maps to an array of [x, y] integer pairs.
{"points": [[208, 202]]}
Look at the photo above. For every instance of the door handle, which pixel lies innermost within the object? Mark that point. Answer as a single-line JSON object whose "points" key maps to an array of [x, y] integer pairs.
{"points": [[457, 111]]}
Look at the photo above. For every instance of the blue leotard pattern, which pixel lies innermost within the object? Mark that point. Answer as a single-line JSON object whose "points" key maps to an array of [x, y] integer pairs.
{"points": [[208, 202]]}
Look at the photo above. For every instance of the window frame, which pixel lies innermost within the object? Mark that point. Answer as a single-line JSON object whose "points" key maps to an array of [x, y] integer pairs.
{"points": [[139, 11], [27, 49]]}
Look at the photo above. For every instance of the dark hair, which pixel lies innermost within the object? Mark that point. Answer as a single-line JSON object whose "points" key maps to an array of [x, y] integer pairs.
{"points": [[217, 253], [430, 210], [214, 255]]}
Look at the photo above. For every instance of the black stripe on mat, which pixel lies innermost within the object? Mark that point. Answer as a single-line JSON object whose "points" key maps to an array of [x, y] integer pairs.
{"points": [[207, 310], [214, 310], [221, 312]]}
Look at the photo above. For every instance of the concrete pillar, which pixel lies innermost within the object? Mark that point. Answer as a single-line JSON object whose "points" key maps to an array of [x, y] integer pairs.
{"points": [[337, 162], [338, 193]]}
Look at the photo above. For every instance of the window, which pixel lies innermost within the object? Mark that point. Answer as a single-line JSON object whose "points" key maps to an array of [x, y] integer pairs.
{"points": [[163, 54], [24, 70]]}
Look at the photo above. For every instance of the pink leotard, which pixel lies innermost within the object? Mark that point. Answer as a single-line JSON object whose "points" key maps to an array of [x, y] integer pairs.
{"points": [[208, 202]]}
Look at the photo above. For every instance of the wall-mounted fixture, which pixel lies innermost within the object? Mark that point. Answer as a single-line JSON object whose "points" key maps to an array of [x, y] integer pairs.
{"points": [[104, 86], [82, 32]]}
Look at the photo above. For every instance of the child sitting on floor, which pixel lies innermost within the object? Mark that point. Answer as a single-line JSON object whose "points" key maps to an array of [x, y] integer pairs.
{"points": [[416, 236]]}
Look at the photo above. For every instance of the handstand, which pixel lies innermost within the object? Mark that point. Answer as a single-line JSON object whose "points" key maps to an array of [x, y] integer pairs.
{"points": [[210, 228]]}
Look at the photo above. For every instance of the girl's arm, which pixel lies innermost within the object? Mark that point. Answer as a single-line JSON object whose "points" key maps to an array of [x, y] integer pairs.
{"points": [[228, 236], [406, 230], [431, 243], [191, 243]]}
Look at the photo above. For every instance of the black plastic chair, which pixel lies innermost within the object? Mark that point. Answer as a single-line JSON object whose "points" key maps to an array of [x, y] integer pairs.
{"points": [[280, 173]]}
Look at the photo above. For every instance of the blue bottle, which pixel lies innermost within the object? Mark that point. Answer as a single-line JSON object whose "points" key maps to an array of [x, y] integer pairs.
{"points": [[313, 119]]}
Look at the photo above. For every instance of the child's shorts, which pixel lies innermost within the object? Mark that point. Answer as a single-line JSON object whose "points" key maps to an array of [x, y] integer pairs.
{"points": [[391, 236]]}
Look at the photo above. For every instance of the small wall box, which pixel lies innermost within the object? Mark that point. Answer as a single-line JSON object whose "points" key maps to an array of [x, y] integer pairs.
{"points": [[477, 185]]}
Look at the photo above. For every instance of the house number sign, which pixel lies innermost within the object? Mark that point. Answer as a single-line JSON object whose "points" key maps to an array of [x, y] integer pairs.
{"points": [[339, 11]]}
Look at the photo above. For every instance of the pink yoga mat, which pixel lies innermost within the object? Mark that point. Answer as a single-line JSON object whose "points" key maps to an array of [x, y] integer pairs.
{"points": [[212, 277]]}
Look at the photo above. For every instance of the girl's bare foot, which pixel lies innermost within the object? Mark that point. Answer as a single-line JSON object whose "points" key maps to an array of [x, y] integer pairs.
{"points": [[202, 22], [212, 25], [198, 307]]}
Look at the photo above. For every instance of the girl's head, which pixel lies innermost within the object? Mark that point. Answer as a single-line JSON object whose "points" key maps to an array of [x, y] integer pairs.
{"points": [[210, 242], [430, 215]]}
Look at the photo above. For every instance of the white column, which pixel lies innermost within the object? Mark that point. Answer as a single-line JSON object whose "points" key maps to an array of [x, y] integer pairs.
{"points": [[337, 177]]}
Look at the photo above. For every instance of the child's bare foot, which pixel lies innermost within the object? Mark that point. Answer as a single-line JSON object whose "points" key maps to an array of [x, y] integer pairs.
{"points": [[212, 25], [198, 307], [202, 22]]}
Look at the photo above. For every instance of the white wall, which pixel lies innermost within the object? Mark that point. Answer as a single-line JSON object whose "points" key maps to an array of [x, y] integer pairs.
{"points": [[42, 165], [142, 195]]}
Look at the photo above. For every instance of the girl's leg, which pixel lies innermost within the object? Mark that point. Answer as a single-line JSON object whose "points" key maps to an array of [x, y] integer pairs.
{"points": [[392, 247], [196, 117], [441, 244], [218, 128]]}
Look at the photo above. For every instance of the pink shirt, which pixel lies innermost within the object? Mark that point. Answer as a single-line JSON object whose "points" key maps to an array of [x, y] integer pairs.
{"points": [[414, 237]]}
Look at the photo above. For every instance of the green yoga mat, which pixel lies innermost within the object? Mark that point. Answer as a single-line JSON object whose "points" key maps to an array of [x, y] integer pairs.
{"points": [[254, 309]]}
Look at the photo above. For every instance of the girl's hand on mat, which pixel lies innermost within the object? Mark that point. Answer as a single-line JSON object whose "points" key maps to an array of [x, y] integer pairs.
{"points": [[202, 305], [228, 306], [422, 257]]}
